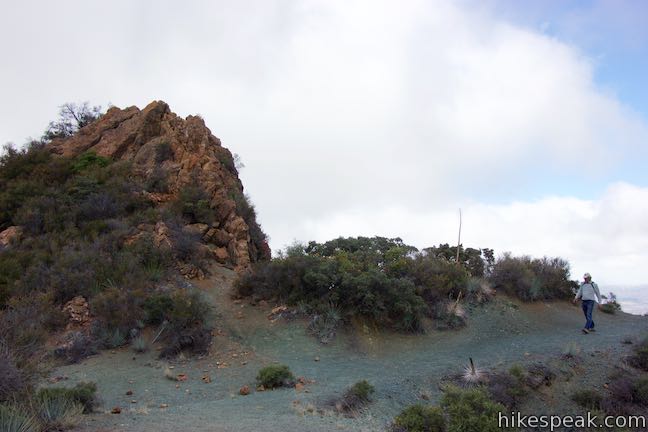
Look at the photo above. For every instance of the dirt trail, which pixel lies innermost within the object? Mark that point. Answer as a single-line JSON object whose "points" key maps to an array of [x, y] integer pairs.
{"points": [[401, 367]]}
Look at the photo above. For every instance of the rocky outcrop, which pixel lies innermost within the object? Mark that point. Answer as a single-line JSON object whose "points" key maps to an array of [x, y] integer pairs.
{"points": [[11, 235], [78, 312], [183, 152]]}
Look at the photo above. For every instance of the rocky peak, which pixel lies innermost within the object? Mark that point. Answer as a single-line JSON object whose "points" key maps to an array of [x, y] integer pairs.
{"points": [[155, 140]]}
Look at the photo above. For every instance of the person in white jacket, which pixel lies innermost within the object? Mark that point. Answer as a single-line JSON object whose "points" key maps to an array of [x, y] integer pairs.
{"points": [[589, 293]]}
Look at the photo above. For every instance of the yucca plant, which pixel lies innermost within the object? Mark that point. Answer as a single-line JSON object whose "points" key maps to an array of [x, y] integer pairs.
{"points": [[139, 344], [57, 413], [14, 419], [473, 375]]}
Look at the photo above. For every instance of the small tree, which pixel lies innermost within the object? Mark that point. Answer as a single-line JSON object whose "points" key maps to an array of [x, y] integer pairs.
{"points": [[72, 117]]}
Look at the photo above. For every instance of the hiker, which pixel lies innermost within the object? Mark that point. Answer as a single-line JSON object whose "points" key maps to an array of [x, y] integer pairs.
{"points": [[588, 293]]}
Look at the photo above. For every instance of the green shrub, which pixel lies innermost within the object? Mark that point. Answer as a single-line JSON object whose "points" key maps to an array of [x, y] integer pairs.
{"points": [[84, 394], [89, 160], [533, 279], [588, 399], [610, 307], [420, 418], [274, 376], [158, 308], [118, 311], [508, 388], [470, 410], [641, 390], [14, 419], [163, 152], [193, 205], [356, 396], [640, 357], [11, 378], [188, 324]]}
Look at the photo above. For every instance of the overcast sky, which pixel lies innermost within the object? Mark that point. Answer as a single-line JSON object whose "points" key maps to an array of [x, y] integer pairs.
{"points": [[381, 118]]}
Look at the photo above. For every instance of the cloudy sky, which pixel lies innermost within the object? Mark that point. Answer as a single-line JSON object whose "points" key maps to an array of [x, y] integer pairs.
{"points": [[381, 118]]}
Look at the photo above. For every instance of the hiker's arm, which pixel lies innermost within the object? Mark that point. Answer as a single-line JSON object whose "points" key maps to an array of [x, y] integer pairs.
{"points": [[579, 293], [596, 291]]}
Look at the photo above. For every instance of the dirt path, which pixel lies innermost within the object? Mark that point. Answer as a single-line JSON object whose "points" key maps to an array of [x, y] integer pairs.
{"points": [[401, 367]]}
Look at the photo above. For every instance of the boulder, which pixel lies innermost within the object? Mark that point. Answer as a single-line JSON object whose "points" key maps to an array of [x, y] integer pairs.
{"points": [[11, 235]]}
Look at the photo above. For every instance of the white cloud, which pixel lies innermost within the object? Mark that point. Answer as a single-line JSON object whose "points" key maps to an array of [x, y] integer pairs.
{"points": [[607, 237], [360, 117]]}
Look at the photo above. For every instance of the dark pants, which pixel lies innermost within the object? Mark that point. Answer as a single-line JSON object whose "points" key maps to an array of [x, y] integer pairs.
{"points": [[588, 308]]}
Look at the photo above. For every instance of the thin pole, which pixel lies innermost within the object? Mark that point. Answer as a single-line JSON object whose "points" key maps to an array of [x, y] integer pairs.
{"points": [[459, 240]]}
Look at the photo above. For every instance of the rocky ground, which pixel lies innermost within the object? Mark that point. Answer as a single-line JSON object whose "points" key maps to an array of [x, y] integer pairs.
{"points": [[403, 368]]}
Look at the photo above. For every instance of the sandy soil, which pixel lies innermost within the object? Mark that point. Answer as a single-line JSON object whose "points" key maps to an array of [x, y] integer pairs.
{"points": [[401, 367]]}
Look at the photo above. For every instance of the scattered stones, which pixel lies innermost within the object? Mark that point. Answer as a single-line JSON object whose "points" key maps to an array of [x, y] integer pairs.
{"points": [[245, 390], [261, 388], [115, 410], [206, 379], [129, 393], [316, 358], [163, 406], [133, 401], [299, 387], [276, 312], [182, 377]]}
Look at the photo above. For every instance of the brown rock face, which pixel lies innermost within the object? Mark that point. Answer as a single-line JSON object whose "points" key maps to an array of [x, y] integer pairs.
{"points": [[10, 235], [158, 142]]}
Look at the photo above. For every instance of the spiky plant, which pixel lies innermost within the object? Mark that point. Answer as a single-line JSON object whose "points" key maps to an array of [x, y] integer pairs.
{"points": [[473, 375], [56, 413], [139, 344], [13, 419]]}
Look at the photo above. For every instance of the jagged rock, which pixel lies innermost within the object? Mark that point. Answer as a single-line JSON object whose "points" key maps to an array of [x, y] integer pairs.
{"points": [[156, 140], [198, 229], [218, 237], [244, 391], [190, 271], [10, 235], [221, 255], [78, 311]]}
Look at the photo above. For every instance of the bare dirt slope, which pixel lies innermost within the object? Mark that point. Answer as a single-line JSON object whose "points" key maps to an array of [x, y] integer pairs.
{"points": [[403, 368]]}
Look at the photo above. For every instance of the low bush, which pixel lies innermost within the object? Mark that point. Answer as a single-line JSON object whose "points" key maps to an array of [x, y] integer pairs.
{"points": [[508, 388], [355, 397], [84, 394], [641, 391], [448, 315], [77, 347], [274, 376], [589, 399], [189, 321], [639, 359], [11, 378], [621, 394], [539, 374], [193, 205], [163, 152], [533, 279], [15, 419], [470, 410], [420, 418], [324, 325]]}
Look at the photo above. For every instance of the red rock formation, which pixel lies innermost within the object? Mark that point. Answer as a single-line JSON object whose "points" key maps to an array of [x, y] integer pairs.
{"points": [[193, 157]]}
